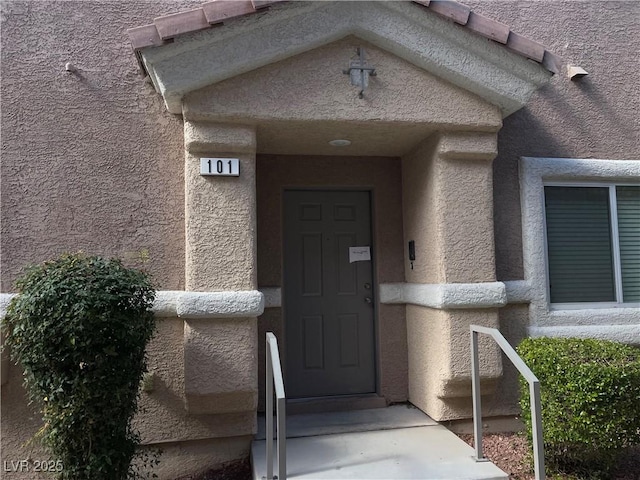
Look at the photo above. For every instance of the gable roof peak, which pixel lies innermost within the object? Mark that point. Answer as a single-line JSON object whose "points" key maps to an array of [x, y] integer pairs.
{"points": [[504, 69], [218, 12]]}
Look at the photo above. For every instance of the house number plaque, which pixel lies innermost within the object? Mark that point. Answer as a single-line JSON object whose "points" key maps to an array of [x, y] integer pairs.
{"points": [[225, 167]]}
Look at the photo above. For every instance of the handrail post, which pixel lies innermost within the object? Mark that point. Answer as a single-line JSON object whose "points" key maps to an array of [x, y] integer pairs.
{"points": [[282, 440], [536, 422], [477, 402], [269, 408], [534, 392], [274, 379]]}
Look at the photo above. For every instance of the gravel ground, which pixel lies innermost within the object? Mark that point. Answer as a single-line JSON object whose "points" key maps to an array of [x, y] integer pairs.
{"points": [[240, 470], [509, 451]]}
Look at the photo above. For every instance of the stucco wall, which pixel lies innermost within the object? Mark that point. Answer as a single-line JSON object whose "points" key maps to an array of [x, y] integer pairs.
{"points": [[595, 117], [447, 209], [447, 204], [317, 90], [90, 160], [19, 421], [382, 176], [190, 443], [419, 205]]}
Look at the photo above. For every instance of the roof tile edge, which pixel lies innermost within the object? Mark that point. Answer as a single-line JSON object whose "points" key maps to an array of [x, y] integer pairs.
{"points": [[213, 13]]}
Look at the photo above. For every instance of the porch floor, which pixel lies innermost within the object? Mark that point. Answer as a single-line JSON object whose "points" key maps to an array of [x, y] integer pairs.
{"points": [[398, 442]]}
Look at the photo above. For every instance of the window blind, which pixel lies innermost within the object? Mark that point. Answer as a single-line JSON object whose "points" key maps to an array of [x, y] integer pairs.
{"points": [[628, 203], [579, 244]]}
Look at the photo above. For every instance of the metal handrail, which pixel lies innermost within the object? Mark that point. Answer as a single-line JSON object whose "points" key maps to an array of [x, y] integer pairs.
{"points": [[534, 393], [274, 378]]}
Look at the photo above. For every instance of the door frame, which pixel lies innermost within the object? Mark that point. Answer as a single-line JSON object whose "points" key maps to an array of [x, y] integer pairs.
{"points": [[374, 275]]}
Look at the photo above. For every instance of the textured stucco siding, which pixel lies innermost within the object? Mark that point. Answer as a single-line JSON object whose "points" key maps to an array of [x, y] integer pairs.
{"points": [[220, 212], [90, 160], [400, 92], [189, 443], [595, 117], [113, 212]]}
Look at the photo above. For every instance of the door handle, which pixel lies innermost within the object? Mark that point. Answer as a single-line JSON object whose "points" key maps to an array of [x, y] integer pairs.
{"points": [[367, 299]]}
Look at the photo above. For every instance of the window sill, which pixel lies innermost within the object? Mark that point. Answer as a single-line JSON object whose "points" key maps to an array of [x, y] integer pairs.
{"points": [[555, 307]]}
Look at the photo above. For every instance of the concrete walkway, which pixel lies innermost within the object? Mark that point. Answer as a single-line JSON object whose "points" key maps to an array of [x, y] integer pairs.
{"points": [[398, 442]]}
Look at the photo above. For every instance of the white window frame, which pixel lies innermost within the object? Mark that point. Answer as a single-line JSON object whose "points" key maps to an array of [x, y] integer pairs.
{"points": [[615, 248], [616, 321]]}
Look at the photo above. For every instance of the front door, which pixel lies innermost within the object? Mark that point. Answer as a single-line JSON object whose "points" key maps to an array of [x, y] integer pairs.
{"points": [[328, 294]]}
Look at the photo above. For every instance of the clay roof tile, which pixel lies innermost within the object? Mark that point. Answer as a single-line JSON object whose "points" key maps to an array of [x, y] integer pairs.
{"points": [[216, 12], [487, 27], [144, 36], [526, 47], [175, 24], [457, 12]]}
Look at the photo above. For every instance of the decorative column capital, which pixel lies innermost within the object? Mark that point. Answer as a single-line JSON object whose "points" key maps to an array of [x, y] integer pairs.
{"points": [[201, 137], [479, 146]]}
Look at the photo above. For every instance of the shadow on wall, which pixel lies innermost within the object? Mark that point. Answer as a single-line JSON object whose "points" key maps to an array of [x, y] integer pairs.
{"points": [[523, 134], [616, 122], [572, 119], [160, 397], [580, 119], [513, 325]]}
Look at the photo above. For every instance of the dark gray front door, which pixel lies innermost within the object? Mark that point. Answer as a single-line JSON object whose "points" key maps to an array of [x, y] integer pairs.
{"points": [[328, 299]]}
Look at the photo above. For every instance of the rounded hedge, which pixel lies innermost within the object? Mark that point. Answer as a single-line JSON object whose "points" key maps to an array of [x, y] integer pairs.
{"points": [[590, 396], [79, 327]]}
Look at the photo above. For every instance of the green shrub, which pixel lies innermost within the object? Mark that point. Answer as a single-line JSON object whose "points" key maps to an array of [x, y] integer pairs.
{"points": [[79, 327], [590, 395]]}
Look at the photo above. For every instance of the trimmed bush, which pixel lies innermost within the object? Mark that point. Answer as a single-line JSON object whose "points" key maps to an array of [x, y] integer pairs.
{"points": [[79, 327], [590, 395]]}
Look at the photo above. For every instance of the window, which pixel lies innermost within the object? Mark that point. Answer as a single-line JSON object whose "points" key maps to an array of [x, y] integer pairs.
{"points": [[593, 243], [558, 311]]}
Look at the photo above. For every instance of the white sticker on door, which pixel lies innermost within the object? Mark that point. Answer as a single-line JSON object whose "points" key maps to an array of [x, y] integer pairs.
{"points": [[359, 254]]}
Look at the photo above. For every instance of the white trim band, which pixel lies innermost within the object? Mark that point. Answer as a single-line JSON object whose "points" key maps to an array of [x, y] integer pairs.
{"points": [[168, 303], [5, 298], [445, 295], [518, 291], [616, 333], [249, 303], [272, 297]]}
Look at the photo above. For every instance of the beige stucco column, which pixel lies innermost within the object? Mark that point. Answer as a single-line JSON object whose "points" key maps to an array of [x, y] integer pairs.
{"points": [[448, 212], [220, 331], [220, 212]]}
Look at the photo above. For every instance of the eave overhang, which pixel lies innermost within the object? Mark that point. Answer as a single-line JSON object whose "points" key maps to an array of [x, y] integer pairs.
{"points": [[431, 41]]}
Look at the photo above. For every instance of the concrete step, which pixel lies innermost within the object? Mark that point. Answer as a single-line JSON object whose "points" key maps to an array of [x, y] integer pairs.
{"points": [[311, 424], [343, 403], [401, 443]]}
